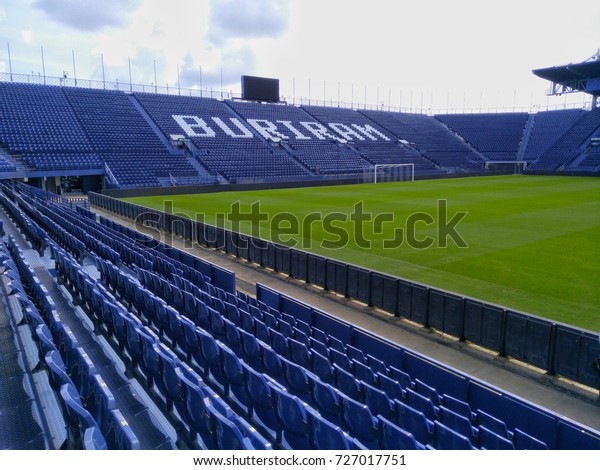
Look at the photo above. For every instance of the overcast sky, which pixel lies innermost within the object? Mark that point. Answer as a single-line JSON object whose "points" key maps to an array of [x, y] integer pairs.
{"points": [[420, 54]]}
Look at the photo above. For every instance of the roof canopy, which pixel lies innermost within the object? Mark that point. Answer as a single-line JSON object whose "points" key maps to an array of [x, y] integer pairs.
{"points": [[582, 77]]}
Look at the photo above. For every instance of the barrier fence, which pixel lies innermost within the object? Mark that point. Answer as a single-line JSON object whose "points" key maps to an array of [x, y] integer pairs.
{"points": [[556, 348]]}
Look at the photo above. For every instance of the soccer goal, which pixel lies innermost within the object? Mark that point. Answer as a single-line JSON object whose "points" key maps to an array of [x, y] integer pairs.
{"points": [[384, 173]]}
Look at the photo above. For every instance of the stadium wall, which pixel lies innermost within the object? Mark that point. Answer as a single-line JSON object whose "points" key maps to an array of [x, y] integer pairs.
{"points": [[200, 189], [555, 348]]}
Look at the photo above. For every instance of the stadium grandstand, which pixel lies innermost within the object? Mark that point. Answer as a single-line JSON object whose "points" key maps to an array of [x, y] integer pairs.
{"points": [[114, 339]]}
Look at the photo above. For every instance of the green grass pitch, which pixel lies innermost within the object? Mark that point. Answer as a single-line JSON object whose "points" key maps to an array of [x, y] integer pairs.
{"points": [[532, 242]]}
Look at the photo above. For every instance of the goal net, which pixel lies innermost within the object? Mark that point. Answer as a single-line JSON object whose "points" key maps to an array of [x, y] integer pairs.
{"points": [[385, 173]]}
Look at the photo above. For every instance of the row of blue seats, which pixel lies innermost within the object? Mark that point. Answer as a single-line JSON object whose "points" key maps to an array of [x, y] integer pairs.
{"points": [[336, 363], [91, 418], [281, 369], [206, 415]]}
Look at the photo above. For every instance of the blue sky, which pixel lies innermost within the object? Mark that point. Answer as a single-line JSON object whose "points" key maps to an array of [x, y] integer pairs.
{"points": [[425, 54]]}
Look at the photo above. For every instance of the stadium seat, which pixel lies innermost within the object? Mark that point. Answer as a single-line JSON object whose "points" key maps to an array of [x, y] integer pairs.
{"points": [[359, 422], [415, 422], [391, 387], [423, 404], [492, 424], [489, 440], [347, 384], [234, 375], [327, 401], [523, 441], [393, 437], [327, 436], [300, 353], [119, 435], [198, 415], [259, 389], [448, 439], [378, 402], [93, 439], [298, 380], [77, 418], [322, 368], [294, 420], [456, 422]]}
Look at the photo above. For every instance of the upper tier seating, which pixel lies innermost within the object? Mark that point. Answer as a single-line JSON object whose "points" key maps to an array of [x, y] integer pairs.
{"points": [[375, 144], [497, 136], [568, 147], [223, 143], [310, 142], [431, 138], [38, 122], [124, 139], [547, 128]]}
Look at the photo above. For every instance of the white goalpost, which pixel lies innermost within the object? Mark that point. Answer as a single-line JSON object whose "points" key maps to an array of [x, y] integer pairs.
{"points": [[388, 172]]}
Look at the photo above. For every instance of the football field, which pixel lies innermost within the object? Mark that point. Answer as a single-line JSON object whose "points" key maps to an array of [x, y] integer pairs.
{"points": [[530, 243]]}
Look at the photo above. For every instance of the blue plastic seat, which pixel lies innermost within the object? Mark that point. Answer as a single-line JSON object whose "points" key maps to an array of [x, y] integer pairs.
{"points": [[174, 328], [229, 434], [119, 435], [252, 351], [402, 377], [378, 402], [272, 363], [168, 382], [327, 401], [57, 370], [427, 391], [414, 422], [44, 340], [322, 368], [263, 404], [456, 422], [150, 364], [217, 325], [356, 354], [449, 439], [458, 406], [98, 400], [279, 343], [300, 353], [394, 437], [360, 423], [77, 418], [298, 380], [197, 413], [490, 440], [347, 384], [327, 436], [202, 317], [93, 439], [341, 360], [364, 373], [524, 441], [377, 365], [234, 375], [391, 387], [233, 337], [294, 420], [188, 343], [493, 424], [319, 347], [423, 404]]}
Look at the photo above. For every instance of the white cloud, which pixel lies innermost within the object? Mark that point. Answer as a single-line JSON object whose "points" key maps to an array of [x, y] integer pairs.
{"points": [[87, 15], [247, 19], [27, 36]]}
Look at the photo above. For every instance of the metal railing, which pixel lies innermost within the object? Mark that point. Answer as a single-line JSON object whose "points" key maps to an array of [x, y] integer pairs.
{"points": [[218, 94]]}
